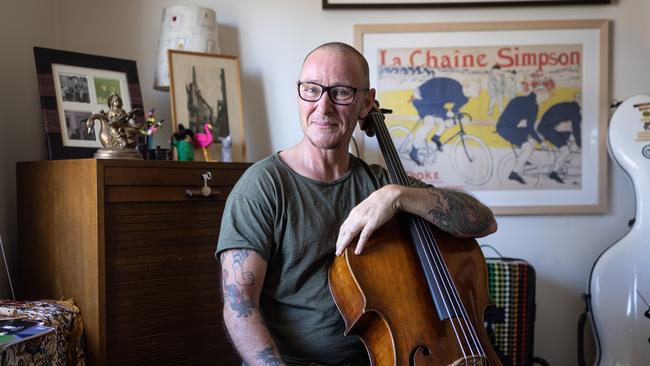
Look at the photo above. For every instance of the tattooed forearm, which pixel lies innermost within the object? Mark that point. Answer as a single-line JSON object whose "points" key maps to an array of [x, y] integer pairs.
{"points": [[269, 357], [459, 213], [242, 305], [233, 294], [242, 277]]}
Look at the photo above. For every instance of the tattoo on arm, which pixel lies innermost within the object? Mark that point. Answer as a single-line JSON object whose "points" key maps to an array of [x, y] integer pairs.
{"points": [[242, 305], [242, 277], [269, 357], [232, 293], [458, 213]]}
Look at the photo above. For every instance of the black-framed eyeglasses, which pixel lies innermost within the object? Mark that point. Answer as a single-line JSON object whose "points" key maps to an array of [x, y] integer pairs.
{"points": [[339, 94]]}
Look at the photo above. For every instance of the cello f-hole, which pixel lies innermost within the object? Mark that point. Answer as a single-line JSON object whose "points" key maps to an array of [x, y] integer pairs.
{"points": [[419, 349]]}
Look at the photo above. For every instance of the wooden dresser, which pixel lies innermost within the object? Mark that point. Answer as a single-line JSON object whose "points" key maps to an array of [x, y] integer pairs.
{"points": [[135, 252]]}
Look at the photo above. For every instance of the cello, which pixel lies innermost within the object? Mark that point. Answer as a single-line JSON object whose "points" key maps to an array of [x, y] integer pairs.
{"points": [[417, 295]]}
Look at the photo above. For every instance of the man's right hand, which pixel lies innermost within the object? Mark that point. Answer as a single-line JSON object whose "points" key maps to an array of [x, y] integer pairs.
{"points": [[368, 216]]}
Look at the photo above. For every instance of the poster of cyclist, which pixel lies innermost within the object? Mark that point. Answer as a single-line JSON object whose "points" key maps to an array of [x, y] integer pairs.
{"points": [[489, 118], [497, 114]]}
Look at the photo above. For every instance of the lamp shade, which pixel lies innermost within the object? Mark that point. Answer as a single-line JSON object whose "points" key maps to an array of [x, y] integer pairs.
{"points": [[188, 28]]}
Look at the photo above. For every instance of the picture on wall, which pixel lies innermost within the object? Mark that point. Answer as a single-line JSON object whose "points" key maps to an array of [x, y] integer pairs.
{"points": [[206, 99], [72, 87], [512, 112], [408, 4], [79, 99]]}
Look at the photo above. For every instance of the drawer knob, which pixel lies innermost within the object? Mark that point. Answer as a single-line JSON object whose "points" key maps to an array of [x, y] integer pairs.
{"points": [[205, 191]]}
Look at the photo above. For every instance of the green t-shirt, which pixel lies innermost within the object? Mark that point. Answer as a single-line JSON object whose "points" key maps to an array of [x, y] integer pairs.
{"points": [[293, 222]]}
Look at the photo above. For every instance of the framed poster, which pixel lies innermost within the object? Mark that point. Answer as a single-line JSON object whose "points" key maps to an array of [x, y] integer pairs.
{"points": [[74, 86], [394, 4], [206, 98], [513, 112]]}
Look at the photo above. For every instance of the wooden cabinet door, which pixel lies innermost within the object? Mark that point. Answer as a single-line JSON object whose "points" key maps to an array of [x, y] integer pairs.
{"points": [[163, 303]]}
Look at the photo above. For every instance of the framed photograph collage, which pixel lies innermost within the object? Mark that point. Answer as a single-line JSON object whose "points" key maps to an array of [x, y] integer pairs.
{"points": [[73, 86]]}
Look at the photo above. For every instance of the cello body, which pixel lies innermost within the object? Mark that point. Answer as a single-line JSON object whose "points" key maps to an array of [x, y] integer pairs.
{"points": [[392, 311], [620, 280], [416, 295]]}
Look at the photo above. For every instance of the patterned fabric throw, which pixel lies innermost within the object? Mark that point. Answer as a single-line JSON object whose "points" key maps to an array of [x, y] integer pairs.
{"points": [[62, 347]]}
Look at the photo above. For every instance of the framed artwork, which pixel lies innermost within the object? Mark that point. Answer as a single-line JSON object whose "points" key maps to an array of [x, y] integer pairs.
{"points": [[206, 98], [513, 112], [364, 4], [74, 86]]}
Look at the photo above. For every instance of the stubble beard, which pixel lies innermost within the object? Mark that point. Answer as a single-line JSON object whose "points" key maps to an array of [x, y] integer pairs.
{"points": [[329, 143]]}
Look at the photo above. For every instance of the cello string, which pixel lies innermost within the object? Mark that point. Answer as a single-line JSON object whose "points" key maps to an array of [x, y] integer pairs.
{"points": [[464, 316], [421, 229], [393, 159], [399, 177], [456, 298], [450, 289], [457, 303]]}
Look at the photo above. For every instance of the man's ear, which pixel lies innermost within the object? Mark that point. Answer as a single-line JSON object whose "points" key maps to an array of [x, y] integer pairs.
{"points": [[368, 103]]}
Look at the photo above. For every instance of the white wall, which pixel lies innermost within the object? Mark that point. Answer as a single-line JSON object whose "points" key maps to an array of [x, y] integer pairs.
{"points": [[22, 137], [271, 38]]}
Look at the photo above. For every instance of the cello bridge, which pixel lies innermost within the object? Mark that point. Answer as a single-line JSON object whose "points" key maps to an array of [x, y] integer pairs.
{"points": [[477, 360]]}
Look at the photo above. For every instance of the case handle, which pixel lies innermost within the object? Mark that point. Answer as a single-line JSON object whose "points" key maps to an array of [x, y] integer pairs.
{"points": [[493, 248]]}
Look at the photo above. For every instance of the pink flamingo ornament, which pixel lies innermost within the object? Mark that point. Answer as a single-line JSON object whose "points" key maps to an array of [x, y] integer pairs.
{"points": [[204, 140]]}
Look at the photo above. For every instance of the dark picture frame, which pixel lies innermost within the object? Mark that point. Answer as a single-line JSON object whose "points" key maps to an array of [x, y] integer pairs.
{"points": [[56, 67], [412, 4]]}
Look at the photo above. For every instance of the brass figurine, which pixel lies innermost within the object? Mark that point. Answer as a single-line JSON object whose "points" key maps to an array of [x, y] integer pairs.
{"points": [[118, 131]]}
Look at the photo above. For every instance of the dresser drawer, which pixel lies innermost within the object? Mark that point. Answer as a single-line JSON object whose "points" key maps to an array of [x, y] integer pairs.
{"points": [[164, 193], [176, 175], [170, 182]]}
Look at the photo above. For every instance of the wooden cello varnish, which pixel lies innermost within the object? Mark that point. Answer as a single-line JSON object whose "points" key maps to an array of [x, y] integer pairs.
{"points": [[385, 299]]}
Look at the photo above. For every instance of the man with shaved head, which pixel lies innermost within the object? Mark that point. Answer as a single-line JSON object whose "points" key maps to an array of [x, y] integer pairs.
{"points": [[292, 212]]}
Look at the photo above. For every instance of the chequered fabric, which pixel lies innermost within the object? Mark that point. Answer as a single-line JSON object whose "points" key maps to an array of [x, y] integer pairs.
{"points": [[509, 286]]}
